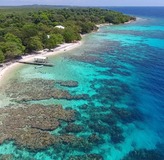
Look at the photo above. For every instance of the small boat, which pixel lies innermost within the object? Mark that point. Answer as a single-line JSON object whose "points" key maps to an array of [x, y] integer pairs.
{"points": [[39, 66]]}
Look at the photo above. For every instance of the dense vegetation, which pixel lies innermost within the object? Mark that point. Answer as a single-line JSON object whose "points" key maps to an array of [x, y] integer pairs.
{"points": [[23, 30]]}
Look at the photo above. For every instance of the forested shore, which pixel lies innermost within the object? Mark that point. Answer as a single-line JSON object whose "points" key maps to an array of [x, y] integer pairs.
{"points": [[25, 30]]}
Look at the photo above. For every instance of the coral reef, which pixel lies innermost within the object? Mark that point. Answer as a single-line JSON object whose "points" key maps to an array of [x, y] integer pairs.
{"points": [[6, 157], [87, 58], [109, 119], [39, 89], [76, 143], [126, 115], [13, 157], [110, 91], [99, 128], [28, 125], [143, 154], [87, 157], [116, 134], [67, 83], [33, 139], [94, 138], [75, 128]]}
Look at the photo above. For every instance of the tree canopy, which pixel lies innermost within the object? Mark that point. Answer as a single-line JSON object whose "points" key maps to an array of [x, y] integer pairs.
{"points": [[30, 29]]}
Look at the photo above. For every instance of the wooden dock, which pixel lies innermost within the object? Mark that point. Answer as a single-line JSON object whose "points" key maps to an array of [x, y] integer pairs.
{"points": [[36, 63]]}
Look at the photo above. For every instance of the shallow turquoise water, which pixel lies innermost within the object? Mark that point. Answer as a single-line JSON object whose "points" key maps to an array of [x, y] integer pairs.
{"points": [[128, 58]]}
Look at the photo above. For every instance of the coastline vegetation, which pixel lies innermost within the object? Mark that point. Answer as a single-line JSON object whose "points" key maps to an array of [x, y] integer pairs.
{"points": [[24, 30]]}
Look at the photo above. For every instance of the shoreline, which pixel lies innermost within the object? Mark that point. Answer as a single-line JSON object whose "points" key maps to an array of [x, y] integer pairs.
{"points": [[104, 24], [111, 24], [9, 66]]}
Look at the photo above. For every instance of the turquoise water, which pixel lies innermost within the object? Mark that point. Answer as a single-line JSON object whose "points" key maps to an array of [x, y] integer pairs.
{"points": [[121, 66]]}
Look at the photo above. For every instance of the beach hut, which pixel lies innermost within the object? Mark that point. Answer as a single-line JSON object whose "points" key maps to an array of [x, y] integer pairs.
{"points": [[60, 27], [41, 59]]}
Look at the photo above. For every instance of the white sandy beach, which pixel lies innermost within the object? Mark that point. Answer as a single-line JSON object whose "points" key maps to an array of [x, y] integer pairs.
{"points": [[8, 67], [104, 24]]}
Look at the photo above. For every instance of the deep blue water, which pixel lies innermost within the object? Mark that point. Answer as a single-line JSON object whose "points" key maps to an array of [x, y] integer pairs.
{"points": [[156, 12], [121, 68]]}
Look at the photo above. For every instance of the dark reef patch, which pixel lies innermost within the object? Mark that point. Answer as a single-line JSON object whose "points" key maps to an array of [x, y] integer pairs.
{"points": [[99, 128], [95, 138], [76, 143], [110, 91], [74, 128], [67, 83], [143, 154], [87, 59], [109, 119], [116, 134], [87, 157], [126, 115]]}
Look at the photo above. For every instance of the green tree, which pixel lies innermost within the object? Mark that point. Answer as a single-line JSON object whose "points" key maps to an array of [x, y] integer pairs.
{"points": [[87, 27], [12, 46], [59, 38], [51, 41], [2, 57], [12, 49], [70, 35], [28, 31], [34, 44], [9, 37]]}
